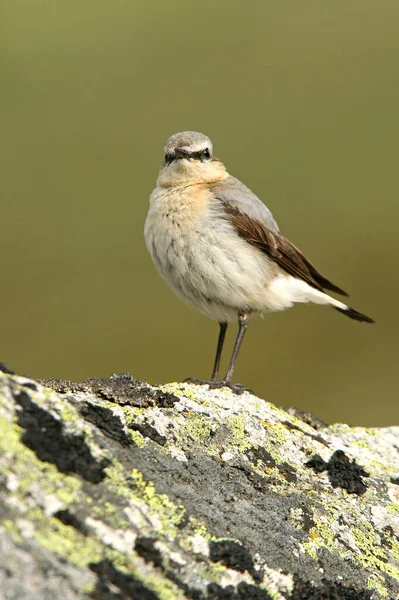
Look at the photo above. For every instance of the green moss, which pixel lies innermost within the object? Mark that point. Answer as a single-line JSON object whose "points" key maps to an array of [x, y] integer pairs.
{"points": [[137, 438], [212, 572], [361, 444], [198, 429], [72, 546], [188, 394], [280, 432], [167, 511], [67, 414], [199, 528], [310, 549], [64, 540], [275, 439], [237, 427], [321, 535], [117, 480], [29, 469], [120, 561], [375, 583], [131, 413], [382, 467], [10, 436], [394, 550], [372, 431], [274, 595], [12, 530], [339, 428], [180, 390], [213, 451], [67, 493], [160, 585], [393, 508], [88, 588], [372, 555], [111, 515], [136, 489]]}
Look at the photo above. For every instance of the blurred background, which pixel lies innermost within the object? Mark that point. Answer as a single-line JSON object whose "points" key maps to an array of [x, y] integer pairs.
{"points": [[301, 101]]}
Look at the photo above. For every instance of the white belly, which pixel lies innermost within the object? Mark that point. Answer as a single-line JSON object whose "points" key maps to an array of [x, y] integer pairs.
{"points": [[207, 264]]}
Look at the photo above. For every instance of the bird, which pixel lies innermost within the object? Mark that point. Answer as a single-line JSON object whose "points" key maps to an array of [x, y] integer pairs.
{"points": [[219, 248]]}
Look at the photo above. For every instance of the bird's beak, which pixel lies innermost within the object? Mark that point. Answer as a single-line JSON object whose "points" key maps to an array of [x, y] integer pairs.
{"points": [[182, 153]]}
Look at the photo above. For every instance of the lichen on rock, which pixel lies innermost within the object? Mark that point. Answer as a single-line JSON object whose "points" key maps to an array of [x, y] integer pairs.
{"points": [[112, 488]]}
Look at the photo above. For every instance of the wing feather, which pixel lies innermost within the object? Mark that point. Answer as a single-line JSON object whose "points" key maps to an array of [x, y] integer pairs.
{"points": [[278, 248]]}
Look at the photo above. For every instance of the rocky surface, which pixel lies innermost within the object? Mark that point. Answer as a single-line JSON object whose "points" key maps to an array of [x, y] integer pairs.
{"points": [[113, 489]]}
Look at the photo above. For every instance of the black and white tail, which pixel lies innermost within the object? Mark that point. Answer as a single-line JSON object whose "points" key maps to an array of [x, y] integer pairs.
{"points": [[289, 290], [353, 314]]}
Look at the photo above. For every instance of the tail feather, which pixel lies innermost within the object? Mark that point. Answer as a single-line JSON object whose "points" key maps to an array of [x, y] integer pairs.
{"points": [[354, 314], [284, 291]]}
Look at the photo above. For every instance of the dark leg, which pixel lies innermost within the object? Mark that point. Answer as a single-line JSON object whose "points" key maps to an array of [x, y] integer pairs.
{"points": [[243, 320], [219, 348]]}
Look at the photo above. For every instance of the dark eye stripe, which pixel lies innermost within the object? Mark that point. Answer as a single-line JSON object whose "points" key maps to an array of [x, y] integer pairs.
{"points": [[200, 155]]}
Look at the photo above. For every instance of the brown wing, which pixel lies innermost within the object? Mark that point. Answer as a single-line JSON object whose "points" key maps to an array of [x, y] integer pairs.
{"points": [[279, 249]]}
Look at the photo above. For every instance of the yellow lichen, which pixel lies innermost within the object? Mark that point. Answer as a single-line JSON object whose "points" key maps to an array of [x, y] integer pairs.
{"points": [[237, 427], [198, 429], [376, 583]]}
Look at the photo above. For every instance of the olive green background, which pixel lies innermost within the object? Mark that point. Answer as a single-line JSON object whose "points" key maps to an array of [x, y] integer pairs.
{"points": [[301, 100]]}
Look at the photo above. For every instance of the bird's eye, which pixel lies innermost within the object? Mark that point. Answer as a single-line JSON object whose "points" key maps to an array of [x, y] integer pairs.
{"points": [[206, 153]]}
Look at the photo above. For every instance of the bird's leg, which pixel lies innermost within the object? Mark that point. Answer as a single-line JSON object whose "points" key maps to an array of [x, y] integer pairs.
{"points": [[219, 348], [243, 319]]}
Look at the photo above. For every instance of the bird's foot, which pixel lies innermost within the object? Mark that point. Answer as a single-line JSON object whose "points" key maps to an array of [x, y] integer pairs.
{"points": [[237, 388], [198, 381]]}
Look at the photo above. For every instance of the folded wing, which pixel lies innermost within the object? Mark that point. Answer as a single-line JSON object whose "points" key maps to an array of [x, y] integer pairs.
{"points": [[276, 247]]}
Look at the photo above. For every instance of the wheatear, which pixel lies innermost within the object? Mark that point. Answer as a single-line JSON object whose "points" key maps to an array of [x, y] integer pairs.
{"points": [[220, 249]]}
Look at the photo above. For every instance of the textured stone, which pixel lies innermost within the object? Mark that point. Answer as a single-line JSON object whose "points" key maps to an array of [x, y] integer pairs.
{"points": [[113, 489]]}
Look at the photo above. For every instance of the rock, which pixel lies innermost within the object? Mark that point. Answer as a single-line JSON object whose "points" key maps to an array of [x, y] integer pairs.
{"points": [[113, 489]]}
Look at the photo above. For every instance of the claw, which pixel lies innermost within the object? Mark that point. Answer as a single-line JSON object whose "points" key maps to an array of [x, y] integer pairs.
{"points": [[237, 388]]}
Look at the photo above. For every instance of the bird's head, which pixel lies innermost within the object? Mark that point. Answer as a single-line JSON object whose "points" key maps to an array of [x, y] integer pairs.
{"points": [[189, 160]]}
